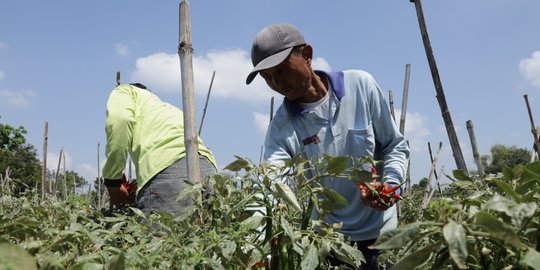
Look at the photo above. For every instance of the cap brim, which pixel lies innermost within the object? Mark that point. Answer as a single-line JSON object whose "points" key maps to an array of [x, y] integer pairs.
{"points": [[268, 62]]}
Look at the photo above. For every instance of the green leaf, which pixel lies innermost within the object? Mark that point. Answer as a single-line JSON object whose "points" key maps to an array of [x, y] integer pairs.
{"points": [[461, 175], [532, 259], [353, 253], [337, 165], [333, 196], [116, 262], [506, 188], [239, 164], [14, 257], [287, 228], [253, 222], [456, 238], [310, 260], [508, 173], [228, 249], [496, 228], [288, 194], [415, 259], [398, 237]]}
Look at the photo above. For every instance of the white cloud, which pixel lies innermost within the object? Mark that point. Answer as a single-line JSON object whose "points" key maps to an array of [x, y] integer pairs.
{"points": [[530, 68], [416, 130], [21, 99], [261, 121], [121, 49], [87, 171], [161, 73], [53, 159], [320, 63]]}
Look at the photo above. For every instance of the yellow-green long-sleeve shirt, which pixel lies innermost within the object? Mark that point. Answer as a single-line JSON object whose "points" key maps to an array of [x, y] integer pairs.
{"points": [[150, 130]]}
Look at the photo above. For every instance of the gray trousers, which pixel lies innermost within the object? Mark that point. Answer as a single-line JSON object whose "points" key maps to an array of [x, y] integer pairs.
{"points": [[161, 192]]}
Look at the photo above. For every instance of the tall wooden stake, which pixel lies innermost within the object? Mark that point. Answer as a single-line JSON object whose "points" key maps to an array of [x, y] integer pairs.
{"points": [[206, 103], [65, 176], [454, 142], [44, 163], [58, 170], [391, 103], [533, 128], [98, 179], [474, 147], [185, 51], [404, 101]]}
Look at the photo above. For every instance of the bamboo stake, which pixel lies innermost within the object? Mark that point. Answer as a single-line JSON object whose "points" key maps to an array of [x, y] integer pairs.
{"points": [[206, 103], [434, 172], [44, 163], [454, 142], [117, 78], [64, 171], [271, 117], [533, 128], [271, 109], [405, 97], [58, 171], [391, 102], [476, 155], [428, 190], [98, 179], [185, 51]]}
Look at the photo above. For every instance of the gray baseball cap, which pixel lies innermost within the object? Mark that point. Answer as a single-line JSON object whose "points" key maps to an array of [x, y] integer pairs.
{"points": [[272, 45]]}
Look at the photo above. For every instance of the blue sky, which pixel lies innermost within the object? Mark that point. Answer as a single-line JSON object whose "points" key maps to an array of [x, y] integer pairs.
{"points": [[58, 61]]}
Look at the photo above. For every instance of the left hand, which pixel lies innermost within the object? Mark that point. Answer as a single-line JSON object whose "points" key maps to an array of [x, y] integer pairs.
{"points": [[120, 197], [377, 197]]}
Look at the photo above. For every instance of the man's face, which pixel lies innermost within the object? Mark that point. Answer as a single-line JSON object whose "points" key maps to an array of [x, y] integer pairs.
{"points": [[292, 77]]}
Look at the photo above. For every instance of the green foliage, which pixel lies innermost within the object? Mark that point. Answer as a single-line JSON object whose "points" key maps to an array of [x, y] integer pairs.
{"points": [[256, 217], [502, 156], [477, 223], [20, 158]]}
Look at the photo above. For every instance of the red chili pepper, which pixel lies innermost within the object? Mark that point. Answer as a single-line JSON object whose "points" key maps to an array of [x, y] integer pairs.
{"points": [[392, 189]]}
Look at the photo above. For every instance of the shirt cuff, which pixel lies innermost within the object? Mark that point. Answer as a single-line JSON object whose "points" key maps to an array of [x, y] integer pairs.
{"points": [[112, 182]]}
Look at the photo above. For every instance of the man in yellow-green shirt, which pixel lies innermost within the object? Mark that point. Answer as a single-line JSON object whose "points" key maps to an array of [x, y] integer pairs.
{"points": [[152, 132]]}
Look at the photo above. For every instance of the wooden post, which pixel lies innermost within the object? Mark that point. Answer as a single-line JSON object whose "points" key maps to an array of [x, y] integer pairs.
{"points": [[454, 142], [185, 51], [65, 176], [404, 101], [206, 103], [98, 179], [117, 78], [474, 147], [434, 172], [58, 170], [428, 192], [391, 103], [534, 131], [44, 163], [271, 109]]}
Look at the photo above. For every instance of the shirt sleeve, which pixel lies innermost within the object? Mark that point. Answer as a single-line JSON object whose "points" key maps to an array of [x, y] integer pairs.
{"points": [[119, 130], [391, 146]]}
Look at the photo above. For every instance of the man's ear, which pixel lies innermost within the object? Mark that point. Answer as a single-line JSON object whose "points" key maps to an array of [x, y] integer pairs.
{"points": [[307, 53]]}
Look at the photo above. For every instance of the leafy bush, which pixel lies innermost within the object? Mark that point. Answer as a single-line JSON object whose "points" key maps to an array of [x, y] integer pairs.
{"points": [[250, 219], [489, 223]]}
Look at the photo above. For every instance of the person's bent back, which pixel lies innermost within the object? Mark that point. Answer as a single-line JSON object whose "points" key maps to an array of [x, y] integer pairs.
{"points": [[152, 132]]}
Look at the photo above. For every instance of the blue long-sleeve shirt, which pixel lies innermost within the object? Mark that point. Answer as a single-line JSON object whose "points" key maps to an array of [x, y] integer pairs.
{"points": [[360, 125]]}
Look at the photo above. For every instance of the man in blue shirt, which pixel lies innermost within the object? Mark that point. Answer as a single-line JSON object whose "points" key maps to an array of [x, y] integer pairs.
{"points": [[331, 113]]}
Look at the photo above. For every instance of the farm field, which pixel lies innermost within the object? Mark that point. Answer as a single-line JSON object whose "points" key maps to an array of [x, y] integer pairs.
{"points": [[474, 223]]}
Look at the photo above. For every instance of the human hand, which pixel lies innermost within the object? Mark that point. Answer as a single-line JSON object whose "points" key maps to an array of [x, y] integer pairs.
{"points": [[120, 197], [378, 195]]}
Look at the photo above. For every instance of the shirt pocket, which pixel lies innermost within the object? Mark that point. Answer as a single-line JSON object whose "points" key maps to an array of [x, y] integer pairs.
{"points": [[360, 142]]}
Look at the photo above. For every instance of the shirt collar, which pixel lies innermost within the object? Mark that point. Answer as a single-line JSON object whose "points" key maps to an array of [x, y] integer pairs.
{"points": [[338, 85]]}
